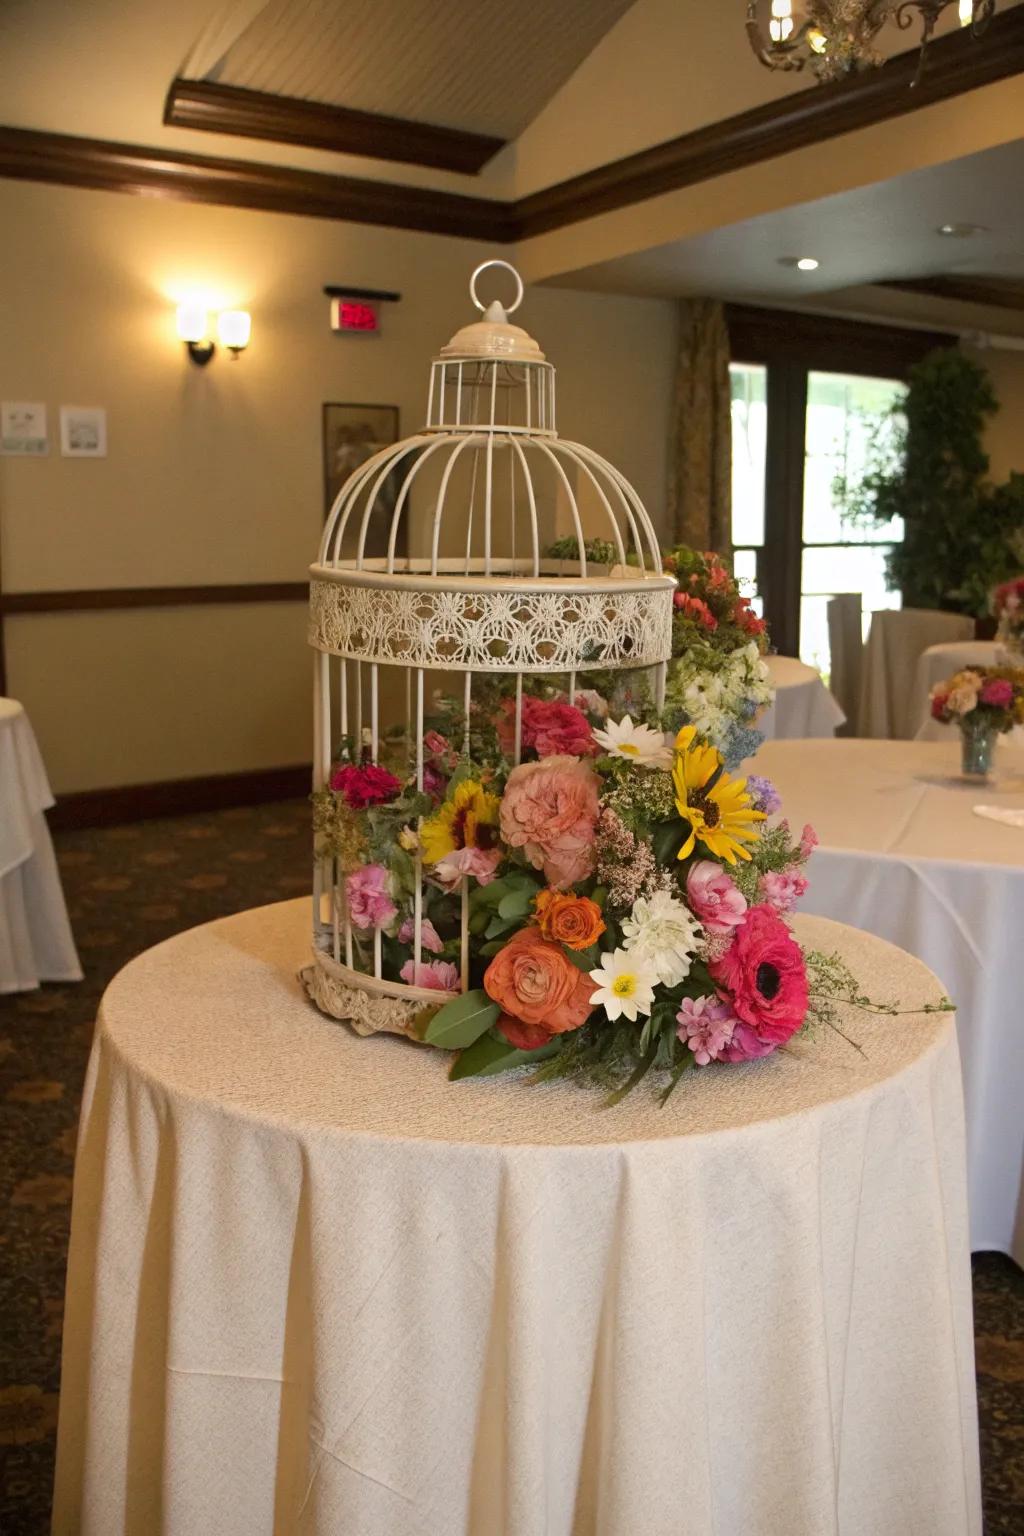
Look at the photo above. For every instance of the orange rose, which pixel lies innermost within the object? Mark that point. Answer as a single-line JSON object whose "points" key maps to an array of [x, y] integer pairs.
{"points": [[538, 989], [574, 921]]}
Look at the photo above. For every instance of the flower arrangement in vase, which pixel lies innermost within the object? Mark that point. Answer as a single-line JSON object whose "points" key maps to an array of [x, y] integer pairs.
{"points": [[1008, 607], [984, 702]]}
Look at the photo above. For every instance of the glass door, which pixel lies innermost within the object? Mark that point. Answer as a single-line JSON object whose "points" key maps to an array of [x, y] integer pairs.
{"points": [[749, 382]]}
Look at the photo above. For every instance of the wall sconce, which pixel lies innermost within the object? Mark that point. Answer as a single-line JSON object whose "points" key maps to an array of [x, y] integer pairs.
{"points": [[234, 327]]}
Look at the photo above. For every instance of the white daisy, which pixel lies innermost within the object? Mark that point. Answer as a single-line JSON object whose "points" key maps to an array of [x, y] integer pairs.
{"points": [[663, 933], [637, 742], [625, 985]]}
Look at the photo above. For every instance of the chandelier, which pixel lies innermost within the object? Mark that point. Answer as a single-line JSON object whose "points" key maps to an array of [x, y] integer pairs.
{"points": [[837, 37]]}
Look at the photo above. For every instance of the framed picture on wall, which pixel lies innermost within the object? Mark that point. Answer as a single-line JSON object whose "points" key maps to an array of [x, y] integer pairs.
{"points": [[352, 434]]}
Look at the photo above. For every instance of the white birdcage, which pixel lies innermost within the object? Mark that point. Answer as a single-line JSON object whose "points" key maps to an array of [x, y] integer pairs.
{"points": [[481, 490]]}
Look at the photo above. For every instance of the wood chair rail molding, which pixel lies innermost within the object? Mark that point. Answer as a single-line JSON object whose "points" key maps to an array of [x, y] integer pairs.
{"points": [[288, 120], [956, 63], [100, 599], [178, 797]]}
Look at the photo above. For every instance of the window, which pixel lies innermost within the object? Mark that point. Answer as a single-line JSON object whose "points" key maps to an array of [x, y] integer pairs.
{"points": [[810, 394]]}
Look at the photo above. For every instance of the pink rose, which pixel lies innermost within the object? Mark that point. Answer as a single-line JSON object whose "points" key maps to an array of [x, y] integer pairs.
{"points": [[436, 745], [368, 898], [762, 974], [481, 863], [438, 975], [368, 785], [548, 728], [715, 899], [998, 692], [429, 938], [706, 1025], [783, 888], [549, 809]]}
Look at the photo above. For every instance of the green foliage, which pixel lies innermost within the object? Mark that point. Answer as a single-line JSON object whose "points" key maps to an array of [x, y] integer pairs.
{"points": [[462, 1021], [492, 1054], [927, 466]]}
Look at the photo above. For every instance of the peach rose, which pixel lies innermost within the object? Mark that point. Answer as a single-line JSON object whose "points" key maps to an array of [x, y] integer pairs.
{"points": [[574, 921], [538, 989], [549, 809]]}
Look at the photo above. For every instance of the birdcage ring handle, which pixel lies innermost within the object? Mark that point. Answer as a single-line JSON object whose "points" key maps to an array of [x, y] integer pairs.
{"points": [[508, 308]]}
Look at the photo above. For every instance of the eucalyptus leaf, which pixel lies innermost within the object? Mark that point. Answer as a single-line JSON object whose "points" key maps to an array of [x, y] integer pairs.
{"points": [[462, 1021], [585, 960], [517, 903], [492, 1054], [668, 838]]}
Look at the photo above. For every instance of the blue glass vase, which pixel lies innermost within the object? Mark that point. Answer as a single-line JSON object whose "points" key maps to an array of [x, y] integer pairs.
{"points": [[977, 745]]}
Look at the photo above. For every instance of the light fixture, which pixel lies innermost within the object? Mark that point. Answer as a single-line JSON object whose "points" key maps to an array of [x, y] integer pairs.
{"points": [[800, 263], [234, 327], [836, 37], [192, 330], [961, 231]]}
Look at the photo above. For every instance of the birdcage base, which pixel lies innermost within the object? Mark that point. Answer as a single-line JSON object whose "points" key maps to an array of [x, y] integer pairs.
{"points": [[370, 1006]]}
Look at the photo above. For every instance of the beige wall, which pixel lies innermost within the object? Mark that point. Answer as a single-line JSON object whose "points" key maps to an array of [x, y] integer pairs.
{"points": [[1004, 440], [215, 475]]}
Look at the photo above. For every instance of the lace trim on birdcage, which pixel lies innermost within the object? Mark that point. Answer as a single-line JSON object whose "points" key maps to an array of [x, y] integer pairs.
{"points": [[492, 631], [367, 1014]]}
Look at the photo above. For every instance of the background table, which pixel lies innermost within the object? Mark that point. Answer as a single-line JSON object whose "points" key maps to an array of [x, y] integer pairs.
{"points": [[35, 935], [889, 705], [939, 662], [309, 1273], [803, 705], [903, 855]]}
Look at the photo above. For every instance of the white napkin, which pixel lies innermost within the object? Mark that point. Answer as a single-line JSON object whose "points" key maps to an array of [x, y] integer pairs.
{"points": [[1003, 814]]}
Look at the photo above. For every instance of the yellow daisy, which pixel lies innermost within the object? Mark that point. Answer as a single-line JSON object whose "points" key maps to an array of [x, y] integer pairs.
{"points": [[469, 819], [717, 806]]}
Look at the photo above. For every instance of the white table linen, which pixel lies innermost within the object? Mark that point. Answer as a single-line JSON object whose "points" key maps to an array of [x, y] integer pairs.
{"points": [[314, 1287], [35, 936], [803, 705], [904, 856], [889, 707]]}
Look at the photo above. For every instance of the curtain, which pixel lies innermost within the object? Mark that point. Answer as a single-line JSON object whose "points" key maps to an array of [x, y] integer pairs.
{"points": [[700, 449]]}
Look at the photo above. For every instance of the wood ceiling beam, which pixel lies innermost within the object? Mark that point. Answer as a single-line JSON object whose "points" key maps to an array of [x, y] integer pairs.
{"points": [[995, 292], [229, 109], [956, 63]]}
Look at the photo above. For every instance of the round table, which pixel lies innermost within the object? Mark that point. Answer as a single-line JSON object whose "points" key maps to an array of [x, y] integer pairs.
{"points": [[803, 705], [904, 855], [35, 935], [941, 661], [315, 1287]]}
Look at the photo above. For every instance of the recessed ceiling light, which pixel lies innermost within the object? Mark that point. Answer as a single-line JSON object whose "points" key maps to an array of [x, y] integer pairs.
{"points": [[802, 263], [961, 231]]}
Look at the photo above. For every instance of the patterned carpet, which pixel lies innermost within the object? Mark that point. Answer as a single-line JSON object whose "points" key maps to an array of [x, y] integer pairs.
{"points": [[127, 888]]}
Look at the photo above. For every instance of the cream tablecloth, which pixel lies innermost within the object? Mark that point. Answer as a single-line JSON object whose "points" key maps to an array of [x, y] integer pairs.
{"points": [[35, 935], [904, 856], [803, 705], [316, 1288], [889, 706]]}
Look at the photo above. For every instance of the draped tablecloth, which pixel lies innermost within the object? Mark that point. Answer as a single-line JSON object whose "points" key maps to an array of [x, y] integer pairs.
{"points": [[888, 703], [904, 855], [316, 1288], [35, 935], [803, 705]]}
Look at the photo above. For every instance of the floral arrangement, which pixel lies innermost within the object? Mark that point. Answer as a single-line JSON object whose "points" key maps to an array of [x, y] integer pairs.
{"points": [[981, 698], [1008, 607], [625, 897]]}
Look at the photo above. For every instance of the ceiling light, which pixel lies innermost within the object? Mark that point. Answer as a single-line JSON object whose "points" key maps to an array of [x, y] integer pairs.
{"points": [[837, 37], [800, 263], [961, 231]]}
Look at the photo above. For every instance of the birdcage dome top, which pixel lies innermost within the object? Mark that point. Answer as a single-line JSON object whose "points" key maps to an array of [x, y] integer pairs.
{"points": [[485, 540]]}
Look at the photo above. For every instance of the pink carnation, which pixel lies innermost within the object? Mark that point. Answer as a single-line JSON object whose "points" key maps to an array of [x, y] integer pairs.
{"points": [[782, 889], [429, 938], [762, 974], [549, 809], [438, 975], [366, 785], [481, 863], [437, 745], [997, 692], [706, 1025], [808, 841], [368, 898], [548, 728], [715, 899]]}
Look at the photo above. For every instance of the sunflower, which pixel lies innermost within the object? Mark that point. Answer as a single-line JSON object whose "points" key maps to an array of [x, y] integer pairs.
{"points": [[719, 810], [468, 819]]}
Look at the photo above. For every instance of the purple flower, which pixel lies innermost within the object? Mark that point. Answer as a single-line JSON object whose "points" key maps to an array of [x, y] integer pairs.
{"points": [[764, 794]]}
